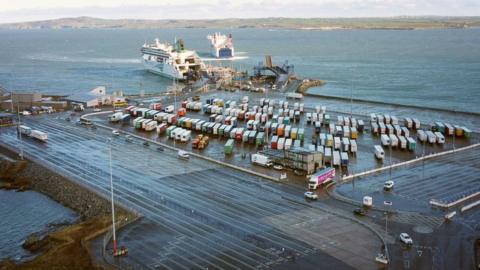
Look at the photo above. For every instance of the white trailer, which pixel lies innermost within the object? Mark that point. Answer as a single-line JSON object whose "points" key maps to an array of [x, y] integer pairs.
{"points": [[152, 125], [24, 130], [394, 120], [186, 135], [416, 123], [403, 142], [346, 131], [337, 143], [431, 137], [39, 135], [385, 140], [375, 128], [405, 132], [373, 118], [382, 127], [393, 140], [336, 158], [379, 153], [288, 144], [353, 146], [440, 137], [346, 144], [408, 122], [421, 135], [280, 143], [387, 118], [261, 160]]}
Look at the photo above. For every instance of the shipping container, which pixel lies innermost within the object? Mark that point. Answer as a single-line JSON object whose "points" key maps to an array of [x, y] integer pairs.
{"points": [[297, 144], [382, 128], [260, 139], [228, 148], [394, 120], [294, 133], [328, 155], [161, 128], [387, 118], [379, 153], [287, 131], [273, 143], [405, 132], [169, 130], [317, 127], [458, 131], [288, 144], [398, 130], [186, 136], [301, 134], [440, 127], [245, 136], [449, 130], [373, 118], [280, 143], [239, 134], [390, 129], [323, 139], [346, 131], [329, 140], [353, 133]]}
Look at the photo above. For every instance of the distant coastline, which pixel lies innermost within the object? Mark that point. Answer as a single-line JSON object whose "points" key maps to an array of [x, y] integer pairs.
{"points": [[307, 24]]}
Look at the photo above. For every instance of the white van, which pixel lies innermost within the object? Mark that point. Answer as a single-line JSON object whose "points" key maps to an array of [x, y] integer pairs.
{"points": [[379, 153]]}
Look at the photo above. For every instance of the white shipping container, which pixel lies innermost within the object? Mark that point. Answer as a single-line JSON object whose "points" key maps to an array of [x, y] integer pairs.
{"points": [[393, 140], [403, 142], [421, 135], [440, 137], [353, 146], [385, 140]]}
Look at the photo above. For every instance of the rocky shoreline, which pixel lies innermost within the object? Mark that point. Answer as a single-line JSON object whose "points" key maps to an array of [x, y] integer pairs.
{"points": [[55, 247]]}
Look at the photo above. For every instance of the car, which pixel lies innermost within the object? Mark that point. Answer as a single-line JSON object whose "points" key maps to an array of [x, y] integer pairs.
{"points": [[278, 167], [183, 154], [68, 119], [115, 132], [406, 239], [311, 195], [388, 185], [360, 212], [97, 110], [26, 113]]}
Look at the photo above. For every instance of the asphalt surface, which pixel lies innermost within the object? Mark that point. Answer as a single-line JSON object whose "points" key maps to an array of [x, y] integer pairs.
{"points": [[197, 214]]}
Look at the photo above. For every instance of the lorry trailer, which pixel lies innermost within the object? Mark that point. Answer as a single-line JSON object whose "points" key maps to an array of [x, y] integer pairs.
{"points": [[321, 178]]}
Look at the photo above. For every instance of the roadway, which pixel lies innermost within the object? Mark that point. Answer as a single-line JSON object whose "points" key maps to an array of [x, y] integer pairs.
{"points": [[199, 215]]}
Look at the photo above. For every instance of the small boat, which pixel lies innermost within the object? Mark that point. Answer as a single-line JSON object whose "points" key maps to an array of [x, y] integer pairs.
{"points": [[183, 154]]}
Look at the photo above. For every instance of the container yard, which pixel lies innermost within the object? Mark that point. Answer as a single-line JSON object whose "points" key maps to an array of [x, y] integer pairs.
{"points": [[292, 145]]}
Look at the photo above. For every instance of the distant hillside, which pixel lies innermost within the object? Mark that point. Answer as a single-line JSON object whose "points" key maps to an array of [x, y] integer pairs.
{"points": [[290, 23]]}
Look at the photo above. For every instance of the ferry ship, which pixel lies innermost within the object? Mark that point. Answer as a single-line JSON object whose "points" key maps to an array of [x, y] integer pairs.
{"points": [[221, 46], [171, 61]]}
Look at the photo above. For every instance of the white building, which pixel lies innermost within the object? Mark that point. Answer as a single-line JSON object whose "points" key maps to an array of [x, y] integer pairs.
{"points": [[97, 97]]}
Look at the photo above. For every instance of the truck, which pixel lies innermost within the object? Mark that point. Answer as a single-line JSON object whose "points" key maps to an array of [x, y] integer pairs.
{"points": [[185, 137], [261, 160], [379, 153], [116, 117], [440, 137], [345, 144], [416, 123], [431, 137], [321, 177], [408, 122], [39, 135], [24, 130]]}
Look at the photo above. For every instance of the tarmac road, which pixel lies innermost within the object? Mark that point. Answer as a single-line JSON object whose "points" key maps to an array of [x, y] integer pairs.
{"points": [[199, 215]]}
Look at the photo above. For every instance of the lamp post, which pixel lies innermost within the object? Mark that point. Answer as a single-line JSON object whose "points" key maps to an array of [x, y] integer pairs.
{"points": [[111, 194]]}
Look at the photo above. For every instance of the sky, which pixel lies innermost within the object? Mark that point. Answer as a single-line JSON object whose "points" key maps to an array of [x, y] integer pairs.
{"points": [[31, 10]]}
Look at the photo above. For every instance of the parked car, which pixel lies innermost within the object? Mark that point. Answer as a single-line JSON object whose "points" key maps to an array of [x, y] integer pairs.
{"points": [[388, 185], [311, 195], [360, 212], [406, 239], [115, 132], [278, 167]]}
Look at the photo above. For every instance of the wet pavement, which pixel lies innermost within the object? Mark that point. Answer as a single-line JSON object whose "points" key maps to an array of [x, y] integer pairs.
{"points": [[198, 214]]}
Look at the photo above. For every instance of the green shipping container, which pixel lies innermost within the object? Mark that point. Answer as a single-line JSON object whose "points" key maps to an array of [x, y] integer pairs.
{"points": [[260, 138], [228, 148], [301, 134]]}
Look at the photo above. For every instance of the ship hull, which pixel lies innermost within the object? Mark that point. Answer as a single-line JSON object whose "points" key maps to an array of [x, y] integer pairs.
{"points": [[161, 69]]}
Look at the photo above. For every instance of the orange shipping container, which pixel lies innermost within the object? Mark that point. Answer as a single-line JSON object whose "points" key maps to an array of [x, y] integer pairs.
{"points": [[182, 112]]}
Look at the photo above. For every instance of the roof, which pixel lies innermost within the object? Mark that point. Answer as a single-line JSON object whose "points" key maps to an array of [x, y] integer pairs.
{"points": [[83, 97], [6, 115]]}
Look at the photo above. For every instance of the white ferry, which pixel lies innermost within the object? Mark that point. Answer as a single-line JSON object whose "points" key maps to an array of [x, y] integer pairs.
{"points": [[221, 46], [171, 61]]}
